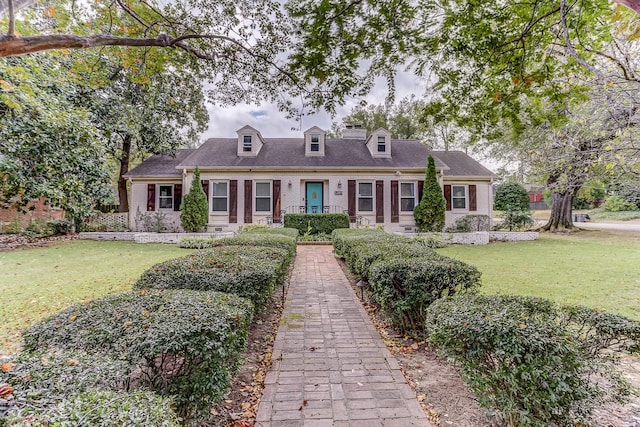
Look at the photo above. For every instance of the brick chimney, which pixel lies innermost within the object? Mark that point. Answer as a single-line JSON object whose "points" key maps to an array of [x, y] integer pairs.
{"points": [[355, 131]]}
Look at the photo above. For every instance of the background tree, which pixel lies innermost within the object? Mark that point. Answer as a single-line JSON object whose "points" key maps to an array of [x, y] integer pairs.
{"points": [[49, 146], [401, 119], [430, 212], [194, 210], [141, 111]]}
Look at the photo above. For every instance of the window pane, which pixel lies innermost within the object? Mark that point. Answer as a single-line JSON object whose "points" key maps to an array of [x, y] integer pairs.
{"points": [[458, 203], [315, 138], [220, 204], [407, 205], [165, 190], [458, 191], [365, 205], [219, 189], [366, 189], [263, 189], [263, 204], [406, 189], [166, 203], [315, 147], [381, 148]]}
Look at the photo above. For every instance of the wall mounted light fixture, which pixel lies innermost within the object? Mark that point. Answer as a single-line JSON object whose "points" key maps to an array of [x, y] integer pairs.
{"points": [[339, 184], [289, 184]]}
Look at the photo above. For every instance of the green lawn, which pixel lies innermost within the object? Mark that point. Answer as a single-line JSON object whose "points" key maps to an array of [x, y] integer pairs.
{"points": [[37, 282], [592, 268]]}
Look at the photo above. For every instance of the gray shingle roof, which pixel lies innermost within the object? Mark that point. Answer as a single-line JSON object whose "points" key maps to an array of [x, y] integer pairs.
{"points": [[160, 165], [289, 153], [460, 164]]}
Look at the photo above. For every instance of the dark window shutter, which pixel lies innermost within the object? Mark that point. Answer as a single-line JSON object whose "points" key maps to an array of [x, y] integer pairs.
{"points": [[420, 190], [248, 201], [351, 195], [473, 202], [447, 196], [151, 197], [233, 201], [177, 196], [395, 208], [380, 202], [276, 200]]}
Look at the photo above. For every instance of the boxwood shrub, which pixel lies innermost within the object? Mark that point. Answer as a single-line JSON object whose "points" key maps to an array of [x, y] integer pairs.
{"points": [[319, 223], [41, 380], [248, 271], [535, 362], [101, 408], [185, 344], [404, 287]]}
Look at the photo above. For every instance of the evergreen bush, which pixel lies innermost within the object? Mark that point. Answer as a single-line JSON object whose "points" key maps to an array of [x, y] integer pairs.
{"points": [[185, 344], [511, 196], [430, 212], [250, 272], [316, 223], [618, 204], [535, 362], [404, 287], [194, 210]]}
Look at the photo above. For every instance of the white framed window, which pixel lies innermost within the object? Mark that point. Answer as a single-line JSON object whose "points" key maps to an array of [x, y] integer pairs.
{"points": [[315, 143], [365, 196], [459, 196], [382, 144], [263, 196], [407, 196], [165, 196], [246, 143], [219, 196]]}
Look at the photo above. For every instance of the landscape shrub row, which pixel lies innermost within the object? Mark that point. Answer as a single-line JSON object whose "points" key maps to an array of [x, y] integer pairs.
{"points": [[537, 363], [316, 223], [405, 275], [177, 343], [249, 271], [173, 343]]}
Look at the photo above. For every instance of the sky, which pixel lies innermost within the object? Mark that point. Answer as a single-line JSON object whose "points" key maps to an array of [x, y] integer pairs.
{"points": [[224, 121]]}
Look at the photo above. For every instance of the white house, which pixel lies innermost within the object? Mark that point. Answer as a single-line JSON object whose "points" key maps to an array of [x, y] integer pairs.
{"points": [[250, 179]]}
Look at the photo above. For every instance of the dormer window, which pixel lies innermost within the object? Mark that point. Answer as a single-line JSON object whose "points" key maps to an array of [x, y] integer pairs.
{"points": [[246, 143], [379, 143], [315, 143]]}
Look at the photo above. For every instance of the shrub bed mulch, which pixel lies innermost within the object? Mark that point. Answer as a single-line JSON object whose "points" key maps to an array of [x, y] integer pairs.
{"points": [[444, 396], [16, 241]]}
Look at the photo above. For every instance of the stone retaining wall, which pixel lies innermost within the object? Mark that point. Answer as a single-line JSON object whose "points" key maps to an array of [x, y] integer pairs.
{"points": [[150, 237], [482, 237]]}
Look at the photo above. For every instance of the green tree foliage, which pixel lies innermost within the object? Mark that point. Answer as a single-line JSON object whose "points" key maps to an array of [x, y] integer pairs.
{"points": [[510, 195], [194, 210], [430, 212], [49, 146], [401, 119], [142, 111]]}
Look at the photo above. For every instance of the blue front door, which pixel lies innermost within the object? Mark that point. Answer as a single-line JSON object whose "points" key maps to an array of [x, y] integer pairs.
{"points": [[314, 197]]}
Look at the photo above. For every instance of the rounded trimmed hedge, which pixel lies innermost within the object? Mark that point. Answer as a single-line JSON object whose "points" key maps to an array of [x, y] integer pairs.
{"points": [[181, 343], [248, 271]]}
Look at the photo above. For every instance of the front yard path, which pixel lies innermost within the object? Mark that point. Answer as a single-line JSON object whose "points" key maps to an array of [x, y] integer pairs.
{"points": [[330, 366]]}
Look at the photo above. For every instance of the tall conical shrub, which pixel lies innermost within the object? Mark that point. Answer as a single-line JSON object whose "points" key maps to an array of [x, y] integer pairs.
{"points": [[429, 214], [194, 210]]}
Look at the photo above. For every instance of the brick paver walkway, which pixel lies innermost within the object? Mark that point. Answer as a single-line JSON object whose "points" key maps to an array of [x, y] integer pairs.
{"points": [[330, 366]]}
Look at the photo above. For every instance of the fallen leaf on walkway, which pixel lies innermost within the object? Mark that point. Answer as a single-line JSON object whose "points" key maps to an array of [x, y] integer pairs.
{"points": [[304, 403]]}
